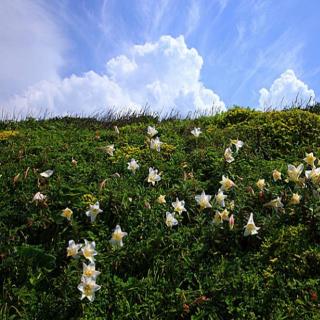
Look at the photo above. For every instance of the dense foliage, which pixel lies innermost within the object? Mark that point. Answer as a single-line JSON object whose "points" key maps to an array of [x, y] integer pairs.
{"points": [[195, 270]]}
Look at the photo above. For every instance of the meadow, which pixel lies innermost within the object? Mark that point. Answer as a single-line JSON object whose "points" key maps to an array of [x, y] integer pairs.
{"points": [[175, 257]]}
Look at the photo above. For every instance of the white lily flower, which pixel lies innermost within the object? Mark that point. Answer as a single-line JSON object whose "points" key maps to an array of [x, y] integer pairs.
{"points": [[88, 287], [261, 184], [67, 213], [110, 149], [196, 132], [238, 144], [47, 173], [228, 155], [116, 130], [133, 165], [276, 175], [310, 159], [73, 249], [39, 197], [203, 200], [117, 235], [153, 176], [155, 144], [219, 197], [294, 172], [179, 206], [313, 175], [250, 228], [226, 183], [225, 215], [93, 211], [295, 199], [151, 131], [89, 251], [90, 271], [171, 220], [275, 203], [161, 199]]}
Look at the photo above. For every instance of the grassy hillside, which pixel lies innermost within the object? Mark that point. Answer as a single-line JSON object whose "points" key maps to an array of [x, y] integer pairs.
{"points": [[199, 269]]}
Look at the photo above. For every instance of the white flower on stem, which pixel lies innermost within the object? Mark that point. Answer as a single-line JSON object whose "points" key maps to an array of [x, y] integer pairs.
{"points": [[276, 175], [196, 132], [220, 197], [250, 228], [275, 203], [237, 143], [225, 215], [110, 149], [73, 249], [89, 251], [295, 199], [203, 200], [117, 236], [313, 175], [39, 197], [171, 220], [151, 131], [179, 206], [153, 176], [294, 172], [88, 287], [90, 271], [310, 159], [161, 199], [133, 166], [228, 155], [47, 173], [116, 130], [261, 184], [67, 213], [93, 211], [226, 183], [155, 144]]}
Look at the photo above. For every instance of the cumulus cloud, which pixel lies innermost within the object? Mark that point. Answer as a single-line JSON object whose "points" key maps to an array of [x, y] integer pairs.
{"points": [[285, 91], [164, 75], [31, 46]]}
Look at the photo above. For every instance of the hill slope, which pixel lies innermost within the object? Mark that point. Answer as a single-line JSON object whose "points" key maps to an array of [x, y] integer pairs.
{"points": [[200, 268]]}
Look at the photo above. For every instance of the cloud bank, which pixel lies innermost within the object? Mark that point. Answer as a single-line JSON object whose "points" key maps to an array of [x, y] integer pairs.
{"points": [[164, 75], [286, 91]]}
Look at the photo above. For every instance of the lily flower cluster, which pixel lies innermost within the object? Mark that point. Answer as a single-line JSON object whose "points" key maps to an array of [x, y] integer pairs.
{"points": [[228, 153], [88, 285], [155, 143]]}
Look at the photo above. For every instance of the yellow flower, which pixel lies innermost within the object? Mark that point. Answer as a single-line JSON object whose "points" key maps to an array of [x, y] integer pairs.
{"points": [[295, 199], [275, 203], [67, 213], [261, 184], [310, 159], [294, 172], [161, 199], [226, 183], [225, 215], [276, 175]]}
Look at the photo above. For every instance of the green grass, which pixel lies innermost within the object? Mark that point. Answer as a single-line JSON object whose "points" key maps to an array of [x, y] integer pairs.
{"points": [[197, 270]]}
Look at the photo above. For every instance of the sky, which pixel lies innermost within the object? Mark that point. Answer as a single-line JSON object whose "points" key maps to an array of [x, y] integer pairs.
{"points": [[87, 56]]}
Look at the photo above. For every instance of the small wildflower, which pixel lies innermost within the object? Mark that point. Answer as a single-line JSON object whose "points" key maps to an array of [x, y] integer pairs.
{"points": [[275, 203], [117, 235], [47, 173], [89, 251], [133, 166], [67, 213], [276, 175], [310, 159], [153, 176], [203, 200], [250, 228], [88, 287], [73, 249], [295, 199], [294, 172], [74, 162], [90, 270], [226, 183], [228, 155], [155, 144], [261, 184], [313, 175], [39, 197], [116, 130], [93, 211], [151, 131], [171, 220], [225, 215], [238, 144], [231, 222], [217, 218], [196, 132], [110, 149], [220, 197], [179, 206], [161, 199]]}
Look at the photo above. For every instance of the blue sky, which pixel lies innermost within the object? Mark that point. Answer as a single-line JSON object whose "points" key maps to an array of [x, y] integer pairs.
{"points": [[245, 45]]}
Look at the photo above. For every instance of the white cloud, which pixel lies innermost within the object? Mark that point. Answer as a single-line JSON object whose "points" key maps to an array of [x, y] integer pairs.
{"points": [[285, 91], [163, 74], [31, 46]]}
